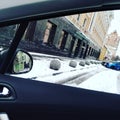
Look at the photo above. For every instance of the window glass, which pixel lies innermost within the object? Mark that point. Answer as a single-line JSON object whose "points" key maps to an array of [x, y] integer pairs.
{"points": [[47, 32], [78, 50], [7, 34], [61, 38]]}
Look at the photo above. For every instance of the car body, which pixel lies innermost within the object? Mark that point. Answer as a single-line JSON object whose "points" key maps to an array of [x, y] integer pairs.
{"points": [[113, 65], [29, 99]]}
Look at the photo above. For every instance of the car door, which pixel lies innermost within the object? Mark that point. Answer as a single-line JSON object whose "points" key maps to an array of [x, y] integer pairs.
{"points": [[28, 99]]}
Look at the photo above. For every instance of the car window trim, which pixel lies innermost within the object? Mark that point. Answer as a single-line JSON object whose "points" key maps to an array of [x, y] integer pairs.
{"points": [[45, 10]]}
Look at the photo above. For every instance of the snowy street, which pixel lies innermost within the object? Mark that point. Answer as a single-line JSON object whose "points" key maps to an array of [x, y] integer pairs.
{"points": [[41, 70], [93, 76], [105, 81]]}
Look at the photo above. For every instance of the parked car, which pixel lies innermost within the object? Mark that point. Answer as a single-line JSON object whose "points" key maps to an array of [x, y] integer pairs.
{"points": [[26, 99], [104, 63], [113, 65]]}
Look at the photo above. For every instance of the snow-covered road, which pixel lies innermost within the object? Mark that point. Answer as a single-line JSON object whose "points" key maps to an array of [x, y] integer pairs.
{"points": [[105, 81], [41, 70], [93, 76]]}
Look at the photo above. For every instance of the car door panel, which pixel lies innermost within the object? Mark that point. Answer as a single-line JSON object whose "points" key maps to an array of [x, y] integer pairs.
{"points": [[36, 99]]}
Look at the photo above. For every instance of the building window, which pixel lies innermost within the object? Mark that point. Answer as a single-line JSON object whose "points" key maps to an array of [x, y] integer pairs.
{"points": [[84, 23], [83, 44], [49, 33], [62, 40], [92, 21], [29, 33], [75, 45], [68, 42], [89, 51], [78, 18]]}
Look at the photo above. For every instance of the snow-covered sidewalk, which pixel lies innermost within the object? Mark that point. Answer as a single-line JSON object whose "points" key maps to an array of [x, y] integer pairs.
{"points": [[41, 69]]}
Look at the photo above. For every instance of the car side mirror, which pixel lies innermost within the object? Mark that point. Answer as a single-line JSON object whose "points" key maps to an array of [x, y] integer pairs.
{"points": [[22, 62]]}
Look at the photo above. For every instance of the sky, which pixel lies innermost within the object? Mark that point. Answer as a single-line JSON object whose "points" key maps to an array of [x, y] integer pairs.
{"points": [[115, 25]]}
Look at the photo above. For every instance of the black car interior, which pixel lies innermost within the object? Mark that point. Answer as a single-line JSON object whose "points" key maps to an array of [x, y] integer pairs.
{"points": [[34, 100]]}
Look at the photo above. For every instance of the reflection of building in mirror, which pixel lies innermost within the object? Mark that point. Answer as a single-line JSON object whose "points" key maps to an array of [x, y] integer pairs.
{"points": [[22, 62]]}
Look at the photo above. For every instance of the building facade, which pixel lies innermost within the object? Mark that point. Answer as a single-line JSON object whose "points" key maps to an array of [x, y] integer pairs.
{"points": [[112, 42], [58, 36], [80, 35], [94, 25]]}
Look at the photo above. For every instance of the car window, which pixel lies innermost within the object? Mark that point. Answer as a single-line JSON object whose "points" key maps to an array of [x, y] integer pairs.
{"points": [[74, 50], [7, 33]]}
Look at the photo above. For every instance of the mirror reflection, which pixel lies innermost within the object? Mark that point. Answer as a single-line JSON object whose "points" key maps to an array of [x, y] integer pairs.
{"points": [[22, 63]]}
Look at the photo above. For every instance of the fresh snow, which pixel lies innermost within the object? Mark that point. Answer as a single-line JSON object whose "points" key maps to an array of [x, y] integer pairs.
{"points": [[101, 79], [106, 81], [41, 70]]}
